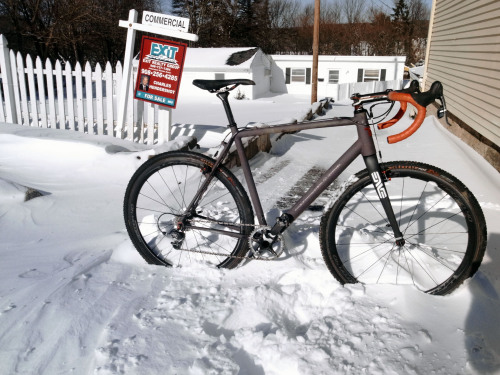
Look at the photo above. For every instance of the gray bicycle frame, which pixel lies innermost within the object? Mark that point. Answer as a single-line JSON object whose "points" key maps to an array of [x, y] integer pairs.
{"points": [[364, 146]]}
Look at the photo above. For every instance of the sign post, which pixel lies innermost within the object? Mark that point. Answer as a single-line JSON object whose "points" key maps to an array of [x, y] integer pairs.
{"points": [[155, 23]]}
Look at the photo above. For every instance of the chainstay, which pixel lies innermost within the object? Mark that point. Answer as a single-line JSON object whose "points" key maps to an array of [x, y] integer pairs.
{"points": [[227, 255], [250, 257]]}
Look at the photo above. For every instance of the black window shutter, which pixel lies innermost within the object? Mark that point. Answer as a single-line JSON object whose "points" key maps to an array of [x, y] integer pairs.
{"points": [[382, 74], [287, 76], [308, 76], [360, 75]]}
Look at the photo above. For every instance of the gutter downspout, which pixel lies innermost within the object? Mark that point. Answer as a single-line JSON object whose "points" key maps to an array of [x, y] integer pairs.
{"points": [[428, 47]]}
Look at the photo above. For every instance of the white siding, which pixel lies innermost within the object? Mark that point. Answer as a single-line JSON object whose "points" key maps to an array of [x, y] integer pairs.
{"points": [[347, 66], [464, 54]]}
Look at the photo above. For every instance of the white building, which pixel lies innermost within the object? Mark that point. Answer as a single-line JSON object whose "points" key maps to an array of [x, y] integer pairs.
{"points": [[227, 63], [292, 73], [285, 73]]}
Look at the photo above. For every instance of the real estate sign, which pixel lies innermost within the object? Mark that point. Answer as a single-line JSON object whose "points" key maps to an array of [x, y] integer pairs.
{"points": [[165, 20], [160, 70]]}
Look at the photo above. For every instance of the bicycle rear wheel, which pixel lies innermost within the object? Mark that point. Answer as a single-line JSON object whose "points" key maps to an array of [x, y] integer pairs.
{"points": [[442, 223], [215, 231]]}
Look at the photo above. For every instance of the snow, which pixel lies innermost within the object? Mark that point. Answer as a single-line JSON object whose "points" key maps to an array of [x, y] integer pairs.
{"points": [[75, 297], [215, 58], [417, 73]]}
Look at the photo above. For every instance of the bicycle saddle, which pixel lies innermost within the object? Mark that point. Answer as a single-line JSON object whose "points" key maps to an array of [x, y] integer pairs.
{"points": [[214, 85]]}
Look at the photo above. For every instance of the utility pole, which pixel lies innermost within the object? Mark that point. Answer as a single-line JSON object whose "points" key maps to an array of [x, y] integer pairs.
{"points": [[314, 86]]}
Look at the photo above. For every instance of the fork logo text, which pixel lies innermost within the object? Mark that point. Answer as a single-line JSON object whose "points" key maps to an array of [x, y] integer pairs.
{"points": [[377, 181]]}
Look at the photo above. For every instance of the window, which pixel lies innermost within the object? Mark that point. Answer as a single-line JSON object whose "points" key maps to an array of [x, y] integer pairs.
{"points": [[333, 76], [298, 75], [370, 75]]}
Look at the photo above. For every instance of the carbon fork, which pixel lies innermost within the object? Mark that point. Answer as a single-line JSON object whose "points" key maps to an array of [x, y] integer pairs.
{"points": [[379, 179]]}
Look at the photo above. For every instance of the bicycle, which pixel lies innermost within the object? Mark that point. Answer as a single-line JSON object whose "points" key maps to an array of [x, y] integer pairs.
{"points": [[397, 222]]}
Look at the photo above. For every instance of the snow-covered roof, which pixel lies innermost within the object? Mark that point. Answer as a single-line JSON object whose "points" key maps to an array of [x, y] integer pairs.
{"points": [[220, 58], [338, 58], [417, 72]]}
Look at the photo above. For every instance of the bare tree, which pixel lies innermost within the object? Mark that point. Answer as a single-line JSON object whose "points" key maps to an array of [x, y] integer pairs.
{"points": [[354, 13], [410, 25], [354, 10], [286, 26], [379, 33], [283, 19], [419, 15], [332, 31], [83, 30], [331, 12], [283, 14]]}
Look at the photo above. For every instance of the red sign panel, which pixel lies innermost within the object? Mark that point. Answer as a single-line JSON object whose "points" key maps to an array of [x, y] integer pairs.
{"points": [[160, 70]]}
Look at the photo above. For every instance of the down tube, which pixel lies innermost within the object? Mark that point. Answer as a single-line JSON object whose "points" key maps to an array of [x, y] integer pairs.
{"points": [[326, 179]]}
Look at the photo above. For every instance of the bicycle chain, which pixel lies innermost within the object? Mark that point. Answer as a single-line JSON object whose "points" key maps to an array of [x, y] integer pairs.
{"points": [[253, 257]]}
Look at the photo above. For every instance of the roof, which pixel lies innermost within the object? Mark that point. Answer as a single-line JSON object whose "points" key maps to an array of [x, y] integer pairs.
{"points": [[339, 58], [220, 58]]}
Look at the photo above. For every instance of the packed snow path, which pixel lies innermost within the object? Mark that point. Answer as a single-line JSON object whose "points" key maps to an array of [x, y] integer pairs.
{"points": [[76, 298]]}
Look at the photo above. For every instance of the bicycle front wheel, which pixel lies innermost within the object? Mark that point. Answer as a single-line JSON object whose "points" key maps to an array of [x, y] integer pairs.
{"points": [[214, 231], [441, 221]]}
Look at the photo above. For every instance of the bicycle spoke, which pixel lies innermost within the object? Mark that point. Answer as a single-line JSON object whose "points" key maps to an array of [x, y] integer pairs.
{"points": [[382, 216], [435, 224], [348, 261], [375, 225], [401, 202], [385, 265], [425, 213], [375, 262], [422, 267], [368, 231], [409, 268], [168, 187], [415, 208], [435, 258]]}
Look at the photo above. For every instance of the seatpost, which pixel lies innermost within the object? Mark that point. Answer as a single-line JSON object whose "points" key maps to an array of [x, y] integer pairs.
{"points": [[224, 97]]}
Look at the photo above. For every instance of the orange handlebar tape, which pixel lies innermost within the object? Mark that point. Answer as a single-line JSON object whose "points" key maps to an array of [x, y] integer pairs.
{"points": [[399, 115], [421, 112]]}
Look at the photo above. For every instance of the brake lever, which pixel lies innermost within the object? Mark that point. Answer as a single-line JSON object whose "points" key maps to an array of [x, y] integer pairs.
{"points": [[442, 111]]}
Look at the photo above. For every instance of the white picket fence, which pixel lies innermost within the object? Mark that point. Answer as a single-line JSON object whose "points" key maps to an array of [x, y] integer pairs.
{"points": [[83, 100]]}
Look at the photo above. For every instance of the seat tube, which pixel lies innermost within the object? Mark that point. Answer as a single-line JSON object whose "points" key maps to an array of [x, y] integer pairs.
{"points": [[373, 167], [245, 166]]}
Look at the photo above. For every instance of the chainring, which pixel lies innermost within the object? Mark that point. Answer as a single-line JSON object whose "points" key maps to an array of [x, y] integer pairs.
{"points": [[262, 245]]}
